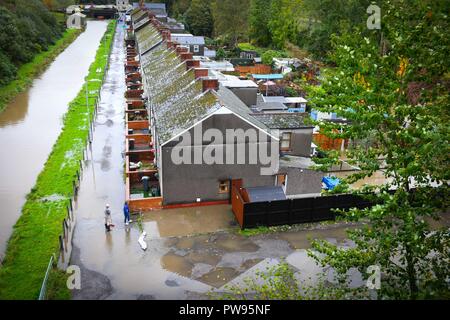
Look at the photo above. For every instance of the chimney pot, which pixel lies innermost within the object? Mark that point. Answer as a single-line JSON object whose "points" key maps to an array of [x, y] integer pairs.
{"points": [[186, 56], [201, 73], [210, 84], [181, 50], [192, 64]]}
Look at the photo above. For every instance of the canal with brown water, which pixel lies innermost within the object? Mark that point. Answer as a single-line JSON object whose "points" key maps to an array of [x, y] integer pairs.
{"points": [[30, 124]]}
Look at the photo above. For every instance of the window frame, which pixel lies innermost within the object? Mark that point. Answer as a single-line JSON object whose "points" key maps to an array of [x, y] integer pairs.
{"points": [[289, 148], [223, 183]]}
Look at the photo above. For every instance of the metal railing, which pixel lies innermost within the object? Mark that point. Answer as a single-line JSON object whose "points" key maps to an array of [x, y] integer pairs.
{"points": [[43, 292]]}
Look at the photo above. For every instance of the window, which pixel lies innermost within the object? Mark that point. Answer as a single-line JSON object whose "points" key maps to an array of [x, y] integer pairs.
{"points": [[196, 48], [224, 186], [285, 143]]}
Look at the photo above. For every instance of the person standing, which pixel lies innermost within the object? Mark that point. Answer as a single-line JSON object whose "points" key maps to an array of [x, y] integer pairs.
{"points": [[108, 219], [126, 213]]}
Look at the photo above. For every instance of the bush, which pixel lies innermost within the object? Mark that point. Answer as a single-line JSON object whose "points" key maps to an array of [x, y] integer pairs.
{"points": [[27, 27], [7, 70], [267, 57]]}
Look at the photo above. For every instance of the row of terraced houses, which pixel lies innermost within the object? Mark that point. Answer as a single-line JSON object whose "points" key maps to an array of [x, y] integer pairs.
{"points": [[174, 98]]}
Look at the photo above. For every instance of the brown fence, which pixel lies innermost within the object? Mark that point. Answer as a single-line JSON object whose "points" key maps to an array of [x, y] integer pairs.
{"points": [[257, 69], [327, 143]]}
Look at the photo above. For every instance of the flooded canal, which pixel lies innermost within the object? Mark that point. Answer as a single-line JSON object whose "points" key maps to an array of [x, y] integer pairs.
{"points": [[31, 123]]}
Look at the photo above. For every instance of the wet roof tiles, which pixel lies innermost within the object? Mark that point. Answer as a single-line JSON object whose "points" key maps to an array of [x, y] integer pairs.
{"points": [[177, 98]]}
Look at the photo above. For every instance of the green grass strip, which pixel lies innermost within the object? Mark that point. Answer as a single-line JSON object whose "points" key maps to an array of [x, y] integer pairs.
{"points": [[29, 71], [35, 235]]}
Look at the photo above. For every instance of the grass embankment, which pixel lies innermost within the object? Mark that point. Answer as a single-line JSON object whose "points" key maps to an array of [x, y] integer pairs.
{"points": [[28, 72], [35, 235]]}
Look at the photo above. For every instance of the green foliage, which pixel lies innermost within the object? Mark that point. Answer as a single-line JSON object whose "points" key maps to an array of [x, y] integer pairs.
{"points": [[319, 20], [267, 56], [260, 15], [7, 69], [220, 54], [278, 283], [394, 91], [245, 46], [35, 235], [57, 285], [179, 8], [27, 29], [284, 21], [24, 76], [231, 20], [199, 18], [291, 92]]}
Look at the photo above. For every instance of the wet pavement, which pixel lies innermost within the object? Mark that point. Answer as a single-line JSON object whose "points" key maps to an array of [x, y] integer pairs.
{"points": [[31, 123]]}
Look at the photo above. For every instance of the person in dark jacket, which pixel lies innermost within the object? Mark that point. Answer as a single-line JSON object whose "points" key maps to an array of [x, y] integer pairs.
{"points": [[126, 213]]}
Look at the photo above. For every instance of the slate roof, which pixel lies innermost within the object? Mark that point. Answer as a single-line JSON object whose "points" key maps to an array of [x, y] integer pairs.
{"points": [[176, 97], [188, 39], [264, 194], [141, 23], [264, 106], [158, 9], [147, 38], [283, 120], [138, 15], [228, 99]]}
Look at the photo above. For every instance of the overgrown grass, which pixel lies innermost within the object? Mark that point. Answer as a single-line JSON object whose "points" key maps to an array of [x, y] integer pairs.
{"points": [[35, 235], [28, 72], [263, 230]]}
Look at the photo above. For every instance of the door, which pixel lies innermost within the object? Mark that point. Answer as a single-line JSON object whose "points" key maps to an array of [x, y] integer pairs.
{"points": [[282, 181]]}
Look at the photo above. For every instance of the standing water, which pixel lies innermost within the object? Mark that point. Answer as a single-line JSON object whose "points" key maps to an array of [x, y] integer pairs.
{"points": [[31, 123]]}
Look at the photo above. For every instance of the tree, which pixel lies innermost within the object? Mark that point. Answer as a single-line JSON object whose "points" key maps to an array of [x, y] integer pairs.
{"points": [[231, 19], [318, 20], [27, 28], [180, 7], [199, 18], [259, 18], [392, 85], [284, 20], [267, 56], [221, 54]]}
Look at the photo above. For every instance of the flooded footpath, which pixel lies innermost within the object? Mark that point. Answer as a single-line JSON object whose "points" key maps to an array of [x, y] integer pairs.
{"points": [[30, 124]]}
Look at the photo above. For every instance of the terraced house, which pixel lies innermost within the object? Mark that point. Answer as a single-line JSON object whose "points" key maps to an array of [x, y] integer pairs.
{"points": [[204, 138]]}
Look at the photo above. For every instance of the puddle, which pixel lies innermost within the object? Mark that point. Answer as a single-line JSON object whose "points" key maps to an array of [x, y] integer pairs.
{"points": [[219, 276], [177, 264], [303, 239], [237, 244], [191, 221], [204, 257]]}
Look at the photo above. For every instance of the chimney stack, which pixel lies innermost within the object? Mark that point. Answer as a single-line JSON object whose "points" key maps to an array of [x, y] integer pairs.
{"points": [[210, 84], [166, 34], [181, 50], [201, 73], [186, 56], [192, 64], [154, 22]]}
